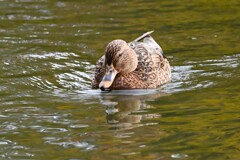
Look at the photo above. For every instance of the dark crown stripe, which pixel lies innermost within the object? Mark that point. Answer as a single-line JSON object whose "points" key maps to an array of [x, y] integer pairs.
{"points": [[111, 50]]}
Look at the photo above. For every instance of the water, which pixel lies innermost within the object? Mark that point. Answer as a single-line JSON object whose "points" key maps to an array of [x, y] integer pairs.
{"points": [[48, 50]]}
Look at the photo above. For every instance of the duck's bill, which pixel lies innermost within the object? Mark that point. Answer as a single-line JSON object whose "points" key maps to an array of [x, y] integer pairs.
{"points": [[108, 79]]}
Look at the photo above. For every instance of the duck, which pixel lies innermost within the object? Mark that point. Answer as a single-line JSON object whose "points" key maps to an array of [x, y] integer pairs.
{"points": [[140, 64]]}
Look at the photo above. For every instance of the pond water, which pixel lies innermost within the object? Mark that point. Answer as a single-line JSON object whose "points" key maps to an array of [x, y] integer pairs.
{"points": [[48, 49]]}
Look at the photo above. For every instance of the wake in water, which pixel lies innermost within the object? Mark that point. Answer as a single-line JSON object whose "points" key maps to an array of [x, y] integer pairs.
{"points": [[66, 73]]}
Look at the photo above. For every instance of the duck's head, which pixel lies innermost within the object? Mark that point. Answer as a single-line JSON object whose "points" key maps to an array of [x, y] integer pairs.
{"points": [[120, 58]]}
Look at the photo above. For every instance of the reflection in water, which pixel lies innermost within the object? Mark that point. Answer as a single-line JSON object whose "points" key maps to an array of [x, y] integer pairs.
{"points": [[126, 112]]}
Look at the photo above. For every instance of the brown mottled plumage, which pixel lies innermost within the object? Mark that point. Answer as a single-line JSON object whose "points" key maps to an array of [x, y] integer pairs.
{"points": [[135, 65]]}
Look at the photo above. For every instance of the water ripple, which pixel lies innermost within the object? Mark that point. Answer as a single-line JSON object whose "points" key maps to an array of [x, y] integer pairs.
{"points": [[179, 156], [52, 72], [74, 126], [199, 74], [51, 55], [53, 130], [81, 145], [11, 150]]}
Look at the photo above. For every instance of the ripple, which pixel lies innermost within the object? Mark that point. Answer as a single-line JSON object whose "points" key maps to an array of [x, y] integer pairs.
{"points": [[11, 150], [82, 145], [11, 127], [18, 154], [51, 55], [51, 139], [225, 62], [21, 109], [53, 72], [71, 81], [189, 78], [53, 130], [3, 143], [182, 77], [3, 116], [130, 153], [20, 10], [179, 156], [125, 135], [41, 83], [74, 126]]}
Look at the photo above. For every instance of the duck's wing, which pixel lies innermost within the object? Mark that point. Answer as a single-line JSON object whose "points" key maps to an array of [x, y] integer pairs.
{"points": [[99, 73], [149, 41], [153, 68]]}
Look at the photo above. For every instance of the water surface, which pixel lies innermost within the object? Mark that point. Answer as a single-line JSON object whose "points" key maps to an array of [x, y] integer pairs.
{"points": [[48, 50]]}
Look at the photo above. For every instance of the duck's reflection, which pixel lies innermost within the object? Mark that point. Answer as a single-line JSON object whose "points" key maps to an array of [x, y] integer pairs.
{"points": [[127, 111]]}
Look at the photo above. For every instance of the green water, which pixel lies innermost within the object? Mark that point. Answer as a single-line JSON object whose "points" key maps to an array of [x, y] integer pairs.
{"points": [[48, 50]]}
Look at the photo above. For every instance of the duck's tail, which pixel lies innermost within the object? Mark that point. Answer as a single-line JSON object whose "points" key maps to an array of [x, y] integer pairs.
{"points": [[143, 36]]}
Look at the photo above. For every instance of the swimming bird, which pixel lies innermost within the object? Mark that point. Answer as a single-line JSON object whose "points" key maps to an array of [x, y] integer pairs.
{"points": [[140, 64]]}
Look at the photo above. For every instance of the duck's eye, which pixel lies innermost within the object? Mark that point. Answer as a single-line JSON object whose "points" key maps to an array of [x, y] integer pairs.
{"points": [[120, 55]]}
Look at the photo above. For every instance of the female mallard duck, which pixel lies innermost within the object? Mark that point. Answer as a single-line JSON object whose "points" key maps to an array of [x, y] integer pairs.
{"points": [[134, 65]]}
